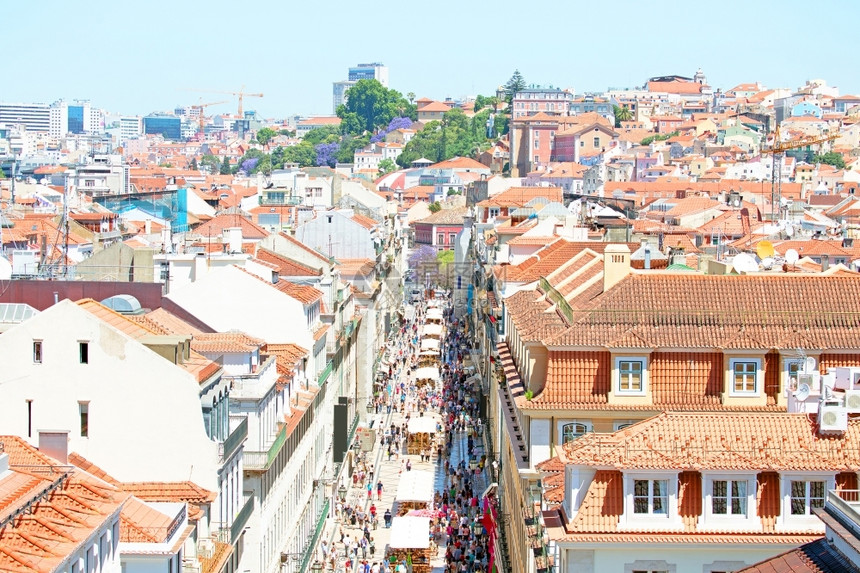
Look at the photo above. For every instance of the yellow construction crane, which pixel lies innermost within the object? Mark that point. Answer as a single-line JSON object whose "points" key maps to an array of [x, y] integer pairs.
{"points": [[778, 149], [240, 94], [200, 119]]}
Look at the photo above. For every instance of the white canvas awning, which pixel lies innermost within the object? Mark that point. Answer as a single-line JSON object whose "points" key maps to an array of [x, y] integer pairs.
{"points": [[416, 485], [410, 532], [434, 330], [427, 373], [433, 314], [422, 426], [429, 344]]}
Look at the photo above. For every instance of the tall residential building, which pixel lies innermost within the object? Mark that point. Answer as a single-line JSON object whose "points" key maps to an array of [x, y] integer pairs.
{"points": [[167, 125], [57, 119], [373, 71]]}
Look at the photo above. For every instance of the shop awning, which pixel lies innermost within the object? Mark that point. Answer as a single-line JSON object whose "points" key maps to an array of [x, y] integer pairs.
{"points": [[410, 532], [427, 373], [415, 485], [422, 426]]}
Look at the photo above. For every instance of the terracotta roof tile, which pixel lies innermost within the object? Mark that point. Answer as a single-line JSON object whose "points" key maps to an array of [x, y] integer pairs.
{"points": [[287, 266], [814, 557], [305, 294], [216, 226], [519, 196], [218, 342]]}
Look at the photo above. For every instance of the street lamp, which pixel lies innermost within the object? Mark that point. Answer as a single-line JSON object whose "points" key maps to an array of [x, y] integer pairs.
{"points": [[317, 567], [341, 492], [370, 408]]}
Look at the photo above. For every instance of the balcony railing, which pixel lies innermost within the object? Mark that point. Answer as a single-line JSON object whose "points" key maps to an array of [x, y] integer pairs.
{"points": [[309, 552], [847, 502], [323, 377], [233, 441], [241, 520], [262, 460]]}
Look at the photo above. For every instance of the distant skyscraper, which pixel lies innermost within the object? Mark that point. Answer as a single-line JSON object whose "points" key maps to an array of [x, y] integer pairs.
{"points": [[167, 125], [374, 71]]}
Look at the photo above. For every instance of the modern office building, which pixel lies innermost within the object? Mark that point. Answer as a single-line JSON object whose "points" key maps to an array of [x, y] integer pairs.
{"points": [[130, 127], [374, 71], [31, 116], [167, 125]]}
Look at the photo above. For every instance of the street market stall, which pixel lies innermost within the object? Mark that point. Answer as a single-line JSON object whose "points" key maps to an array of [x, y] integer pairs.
{"points": [[415, 491], [430, 344], [432, 330], [420, 435], [433, 315], [410, 543], [427, 375]]}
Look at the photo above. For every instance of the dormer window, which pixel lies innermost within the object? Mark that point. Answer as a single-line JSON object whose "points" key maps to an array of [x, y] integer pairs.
{"points": [[651, 496], [745, 376], [806, 495], [631, 376]]}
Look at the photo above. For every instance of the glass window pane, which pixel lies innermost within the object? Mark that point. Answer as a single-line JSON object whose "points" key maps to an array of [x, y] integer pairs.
{"points": [[816, 494], [798, 498], [661, 496]]}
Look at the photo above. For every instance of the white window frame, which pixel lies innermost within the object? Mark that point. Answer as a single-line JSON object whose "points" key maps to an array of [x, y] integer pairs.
{"points": [[747, 520], [787, 520], [652, 495], [758, 377], [621, 424], [563, 424], [643, 376], [669, 521]]}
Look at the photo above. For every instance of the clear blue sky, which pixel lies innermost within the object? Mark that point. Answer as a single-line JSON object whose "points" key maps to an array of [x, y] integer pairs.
{"points": [[138, 57]]}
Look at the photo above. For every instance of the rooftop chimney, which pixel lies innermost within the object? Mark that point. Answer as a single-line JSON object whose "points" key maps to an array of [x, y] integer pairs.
{"points": [[55, 443], [616, 264]]}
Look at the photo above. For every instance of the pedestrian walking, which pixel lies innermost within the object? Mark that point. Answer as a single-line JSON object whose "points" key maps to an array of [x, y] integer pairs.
{"points": [[378, 490]]}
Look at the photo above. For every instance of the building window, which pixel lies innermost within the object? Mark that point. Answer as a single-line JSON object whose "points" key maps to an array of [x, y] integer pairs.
{"points": [[651, 496], [494, 212], [451, 238], [621, 424], [729, 497], [84, 352], [29, 418], [631, 376], [806, 496], [573, 430], [537, 144], [744, 376], [37, 351], [440, 239], [84, 413], [596, 142]]}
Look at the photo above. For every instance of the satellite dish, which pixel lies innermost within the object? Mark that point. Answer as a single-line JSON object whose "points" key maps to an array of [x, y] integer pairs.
{"points": [[744, 263], [809, 364], [767, 262], [764, 249], [789, 230], [802, 393], [791, 256]]}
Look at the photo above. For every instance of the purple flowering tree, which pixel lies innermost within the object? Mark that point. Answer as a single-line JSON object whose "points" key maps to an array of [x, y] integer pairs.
{"points": [[327, 153], [249, 164], [394, 124]]}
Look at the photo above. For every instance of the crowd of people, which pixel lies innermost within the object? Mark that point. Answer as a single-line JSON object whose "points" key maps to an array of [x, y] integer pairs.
{"points": [[457, 524]]}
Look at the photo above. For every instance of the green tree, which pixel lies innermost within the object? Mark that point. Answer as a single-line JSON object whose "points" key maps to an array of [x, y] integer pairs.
{"points": [[2, 174], [621, 114], [264, 166], [410, 96], [435, 207], [349, 144], [482, 102], [374, 105], [328, 134], [193, 165], [830, 158], [386, 166], [225, 166], [265, 135], [210, 163], [304, 154], [516, 84], [287, 132]]}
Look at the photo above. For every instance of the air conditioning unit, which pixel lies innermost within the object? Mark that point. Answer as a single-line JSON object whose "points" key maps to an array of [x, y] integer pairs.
{"points": [[852, 401], [205, 548], [832, 418]]}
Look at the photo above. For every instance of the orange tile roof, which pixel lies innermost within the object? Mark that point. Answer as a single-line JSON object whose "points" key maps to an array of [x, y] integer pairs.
{"points": [[459, 163], [216, 226], [519, 196], [139, 523], [171, 323], [217, 342], [815, 557], [287, 267], [197, 365], [365, 221], [71, 507], [305, 294]]}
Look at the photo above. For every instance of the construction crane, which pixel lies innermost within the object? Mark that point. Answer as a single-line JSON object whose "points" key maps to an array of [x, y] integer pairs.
{"points": [[200, 119], [240, 94], [777, 149]]}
